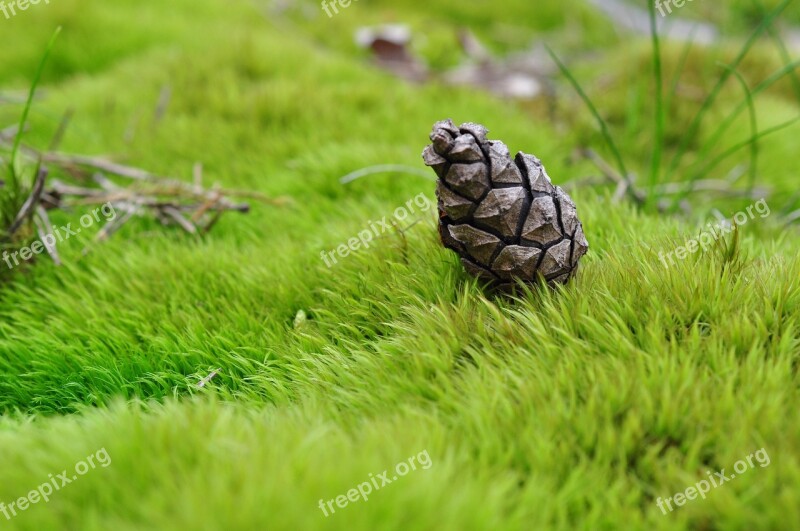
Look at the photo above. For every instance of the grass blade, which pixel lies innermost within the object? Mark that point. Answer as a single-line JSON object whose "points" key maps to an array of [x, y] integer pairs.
{"points": [[782, 50], [660, 118], [24, 118], [753, 129], [602, 123], [733, 149], [709, 101], [753, 168], [687, 48], [728, 121]]}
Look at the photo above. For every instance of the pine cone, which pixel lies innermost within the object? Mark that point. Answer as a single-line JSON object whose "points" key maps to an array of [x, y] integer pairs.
{"points": [[503, 217]]}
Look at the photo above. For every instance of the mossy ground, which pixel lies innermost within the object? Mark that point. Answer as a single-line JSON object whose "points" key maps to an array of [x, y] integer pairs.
{"points": [[574, 408]]}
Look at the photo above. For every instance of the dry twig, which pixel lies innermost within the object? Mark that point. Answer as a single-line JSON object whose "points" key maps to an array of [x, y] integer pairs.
{"points": [[30, 204], [45, 228]]}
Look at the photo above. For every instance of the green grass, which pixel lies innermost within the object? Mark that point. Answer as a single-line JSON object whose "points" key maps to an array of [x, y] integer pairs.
{"points": [[18, 198], [564, 409]]}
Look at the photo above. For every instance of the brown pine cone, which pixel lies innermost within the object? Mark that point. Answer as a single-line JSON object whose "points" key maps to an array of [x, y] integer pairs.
{"points": [[503, 217]]}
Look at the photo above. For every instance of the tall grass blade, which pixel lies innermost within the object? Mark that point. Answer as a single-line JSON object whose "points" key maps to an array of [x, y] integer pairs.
{"points": [[687, 48], [660, 118], [602, 123], [728, 121], [24, 118], [711, 98], [752, 142], [736, 147], [782, 50], [753, 129]]}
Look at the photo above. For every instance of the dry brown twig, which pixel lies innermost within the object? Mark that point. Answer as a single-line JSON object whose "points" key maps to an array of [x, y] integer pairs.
{"points": [[624, 183], [30, 204], [170, 201], [174, 202], [43, 228]]}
